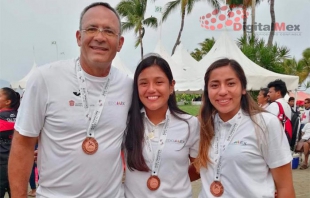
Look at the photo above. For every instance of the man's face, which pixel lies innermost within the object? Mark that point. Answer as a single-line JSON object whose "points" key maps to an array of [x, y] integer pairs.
{"points": [[307, 104], [98, 50], [273, 94], [291, 103]]}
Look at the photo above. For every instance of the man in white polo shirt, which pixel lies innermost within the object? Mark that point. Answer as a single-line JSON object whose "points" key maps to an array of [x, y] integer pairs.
{"points": [[277, 91], [305, 116], [78, 110]]}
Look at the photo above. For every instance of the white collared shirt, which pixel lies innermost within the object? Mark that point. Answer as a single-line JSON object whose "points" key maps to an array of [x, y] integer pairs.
{"points": [[245, 170], [274, 108], [181, 143]]}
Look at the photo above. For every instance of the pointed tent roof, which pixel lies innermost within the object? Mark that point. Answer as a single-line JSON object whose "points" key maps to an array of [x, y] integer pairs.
{"points": [[188, 63], [257, 76], [179, 73], [21, 84], [118, 63]]}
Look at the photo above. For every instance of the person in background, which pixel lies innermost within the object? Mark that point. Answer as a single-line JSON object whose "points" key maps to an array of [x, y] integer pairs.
{"points": [[262, 98], [277, 91], [305, 116], [243, 151], [78, 110], [9, 103], [161, 139], [305, 139], [291, 102]]}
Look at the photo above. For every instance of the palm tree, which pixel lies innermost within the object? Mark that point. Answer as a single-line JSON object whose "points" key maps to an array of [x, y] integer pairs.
{"points": [[293, 67], [269, 57], [306, 59], [205, 47], [245, 4], [134, 11], [273, 22], [186, 8], [197, 54], [253, 4]]}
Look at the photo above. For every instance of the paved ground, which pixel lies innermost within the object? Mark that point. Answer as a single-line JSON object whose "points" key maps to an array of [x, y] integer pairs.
{"points": [[301, 184]]}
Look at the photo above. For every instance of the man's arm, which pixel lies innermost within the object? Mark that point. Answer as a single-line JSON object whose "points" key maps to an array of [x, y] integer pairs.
{"points": [[20, 164]]}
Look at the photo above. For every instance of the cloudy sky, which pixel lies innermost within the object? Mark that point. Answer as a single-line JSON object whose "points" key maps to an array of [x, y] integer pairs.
{"points": [[29, 27]]}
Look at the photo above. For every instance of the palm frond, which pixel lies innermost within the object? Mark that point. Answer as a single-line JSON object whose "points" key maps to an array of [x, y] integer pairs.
{"points": [[124, 8], [151, 22], [127, 26], [169, 8]]}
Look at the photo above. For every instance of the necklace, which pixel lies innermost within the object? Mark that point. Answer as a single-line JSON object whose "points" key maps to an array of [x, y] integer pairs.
{"points": [[151, 133]]}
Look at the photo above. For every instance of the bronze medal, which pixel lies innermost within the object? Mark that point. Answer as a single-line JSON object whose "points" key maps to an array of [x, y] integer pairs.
{"points": [[216, 189], [153, 183], [90, 145]]}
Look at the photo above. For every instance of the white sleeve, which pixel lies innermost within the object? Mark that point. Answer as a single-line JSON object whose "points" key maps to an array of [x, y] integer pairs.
{"points": [[273, 108], [194, 137], [277, 151], [31, 113]]}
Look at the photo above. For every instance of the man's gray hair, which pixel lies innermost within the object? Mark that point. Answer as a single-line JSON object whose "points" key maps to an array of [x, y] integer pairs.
{"points": [[104, 5]]}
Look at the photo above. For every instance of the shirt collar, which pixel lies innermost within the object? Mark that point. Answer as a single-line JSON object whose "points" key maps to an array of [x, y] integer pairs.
{"points": [[145, 116], [232, 120]]}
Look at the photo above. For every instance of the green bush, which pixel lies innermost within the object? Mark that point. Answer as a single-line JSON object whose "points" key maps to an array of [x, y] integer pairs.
{"points": [[186, 98]]}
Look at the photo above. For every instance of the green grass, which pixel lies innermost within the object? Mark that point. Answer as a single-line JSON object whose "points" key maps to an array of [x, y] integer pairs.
{"points": [[191, 109]]}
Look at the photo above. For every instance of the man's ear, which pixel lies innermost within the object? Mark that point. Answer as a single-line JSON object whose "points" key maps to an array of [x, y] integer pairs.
{"points": [[78, 37], [120, 43]]}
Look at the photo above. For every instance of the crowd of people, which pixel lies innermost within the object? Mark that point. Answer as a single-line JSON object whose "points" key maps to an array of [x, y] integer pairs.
{"points": [[83, 119]]}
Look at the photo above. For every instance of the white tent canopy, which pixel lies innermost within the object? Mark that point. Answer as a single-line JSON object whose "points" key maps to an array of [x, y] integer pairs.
{"points": [[257, 76], [189, 65], [21, 84], [180, 74]]}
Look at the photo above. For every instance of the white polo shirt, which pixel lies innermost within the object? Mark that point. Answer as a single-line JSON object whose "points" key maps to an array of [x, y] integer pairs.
{"points": [[306, 130], [182, 141], [245, 170], [52, 109], [305, 116], [274, 108]]}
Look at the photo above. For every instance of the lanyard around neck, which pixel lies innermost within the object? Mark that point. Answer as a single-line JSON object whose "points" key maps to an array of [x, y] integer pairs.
{"points": [[92, 117], [161, 143], [218, 152]]}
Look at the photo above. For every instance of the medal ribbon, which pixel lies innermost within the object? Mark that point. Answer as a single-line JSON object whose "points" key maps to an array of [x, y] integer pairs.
{"points": [[94, 118], [161, 143], [219, 152]]}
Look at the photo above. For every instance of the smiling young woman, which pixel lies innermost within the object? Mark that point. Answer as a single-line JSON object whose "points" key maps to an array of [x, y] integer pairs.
{"points": [[243, 150], [161, 139]]}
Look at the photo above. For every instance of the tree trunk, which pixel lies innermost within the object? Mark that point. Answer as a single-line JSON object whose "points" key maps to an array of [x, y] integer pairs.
{"points": [[141, 44], [253, 17], [273, 22], [180, 32], [244, 20]]}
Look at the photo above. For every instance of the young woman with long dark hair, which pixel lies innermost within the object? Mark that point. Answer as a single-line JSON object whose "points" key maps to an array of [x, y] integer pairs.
{"points": [[161, 139], [243, 150]]}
